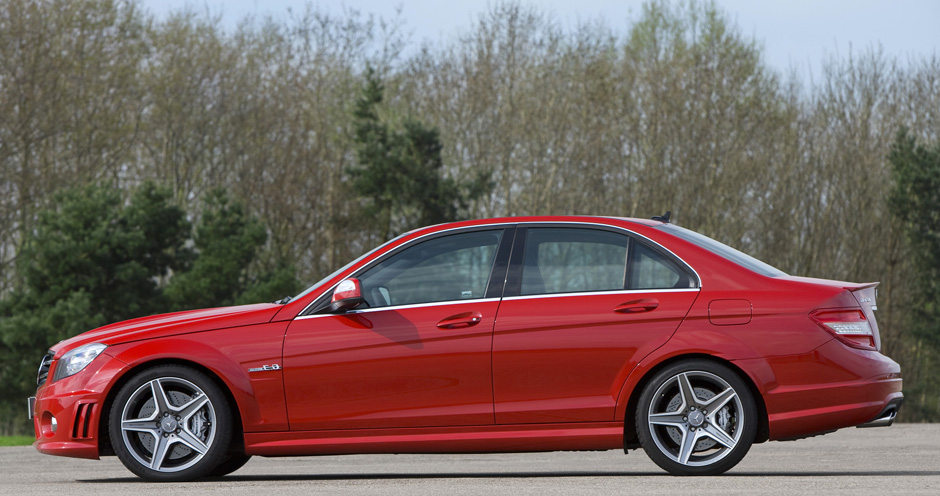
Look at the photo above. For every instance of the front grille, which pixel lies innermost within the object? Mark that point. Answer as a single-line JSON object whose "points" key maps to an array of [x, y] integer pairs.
{"points": [[44, 369]]}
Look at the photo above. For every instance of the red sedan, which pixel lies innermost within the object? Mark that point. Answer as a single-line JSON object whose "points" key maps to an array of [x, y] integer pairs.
{"points": [[513, 335]]}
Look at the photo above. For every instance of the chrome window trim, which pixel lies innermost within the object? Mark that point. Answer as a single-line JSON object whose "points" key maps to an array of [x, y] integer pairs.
{"points": [[401, 307], [519, 224], [603, 293], [667, 250]]}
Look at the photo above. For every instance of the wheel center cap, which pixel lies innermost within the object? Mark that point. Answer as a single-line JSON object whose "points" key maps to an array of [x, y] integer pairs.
{"points": [[696, 418], [168, 424]]}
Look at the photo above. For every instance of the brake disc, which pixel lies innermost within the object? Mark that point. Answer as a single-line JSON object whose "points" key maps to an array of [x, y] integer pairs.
{"points": [[676, 435]]}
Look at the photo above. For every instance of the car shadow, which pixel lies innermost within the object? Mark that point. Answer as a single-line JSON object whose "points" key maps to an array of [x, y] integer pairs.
{"points": [[519, 475]]}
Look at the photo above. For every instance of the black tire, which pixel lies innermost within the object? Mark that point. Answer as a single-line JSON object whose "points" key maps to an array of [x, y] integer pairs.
{"points": [[231, 464], [177, 412], [696, 417]]}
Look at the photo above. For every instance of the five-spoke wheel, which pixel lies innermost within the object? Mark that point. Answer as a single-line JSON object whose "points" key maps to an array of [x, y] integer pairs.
{"points": [[171, 423], [696, 417]]}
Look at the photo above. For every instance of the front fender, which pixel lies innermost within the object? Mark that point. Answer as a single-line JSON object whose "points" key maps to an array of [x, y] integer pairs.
{"points": [[228, 354]]}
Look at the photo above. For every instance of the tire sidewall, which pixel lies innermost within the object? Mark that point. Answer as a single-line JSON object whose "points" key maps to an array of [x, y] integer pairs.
{"points": [[747, 402], [218, 450], [234, 462]]}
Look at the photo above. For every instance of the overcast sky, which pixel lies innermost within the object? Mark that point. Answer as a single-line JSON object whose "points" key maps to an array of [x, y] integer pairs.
{"points": [[795, 33]]}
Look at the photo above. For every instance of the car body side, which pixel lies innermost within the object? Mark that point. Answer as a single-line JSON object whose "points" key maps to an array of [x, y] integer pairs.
{"points": [[805, 380]]}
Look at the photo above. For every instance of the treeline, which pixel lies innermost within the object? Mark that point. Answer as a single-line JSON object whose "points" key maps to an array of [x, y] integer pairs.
{"points": [[674, 110]]}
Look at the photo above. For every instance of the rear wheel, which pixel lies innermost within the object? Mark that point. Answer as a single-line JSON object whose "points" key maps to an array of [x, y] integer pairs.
{"points": [[696, 417], [171, 423]]}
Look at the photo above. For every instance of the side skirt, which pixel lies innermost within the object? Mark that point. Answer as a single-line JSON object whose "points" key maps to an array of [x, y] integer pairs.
{"points": [[589, 436]]}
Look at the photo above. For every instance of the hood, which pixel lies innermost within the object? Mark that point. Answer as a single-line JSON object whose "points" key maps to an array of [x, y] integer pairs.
{"points": [[170, 324]]}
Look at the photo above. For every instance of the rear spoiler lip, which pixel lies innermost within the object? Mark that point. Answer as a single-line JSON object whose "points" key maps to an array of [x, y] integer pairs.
{"points": [[860, 286], [851, 286]]}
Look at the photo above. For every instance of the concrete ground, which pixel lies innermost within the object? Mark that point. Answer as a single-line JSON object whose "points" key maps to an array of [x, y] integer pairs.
{"points": [[902, 459]]}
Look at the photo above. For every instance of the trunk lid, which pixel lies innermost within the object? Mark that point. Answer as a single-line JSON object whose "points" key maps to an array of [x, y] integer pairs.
{"points": [[863, 293]]}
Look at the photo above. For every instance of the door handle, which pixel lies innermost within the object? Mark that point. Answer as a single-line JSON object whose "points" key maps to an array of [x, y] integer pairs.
{"points": [[637, 306], [461, 320]]}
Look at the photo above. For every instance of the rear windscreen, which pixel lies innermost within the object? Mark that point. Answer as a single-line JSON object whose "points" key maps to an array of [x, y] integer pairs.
{"points": [[722, 250]]}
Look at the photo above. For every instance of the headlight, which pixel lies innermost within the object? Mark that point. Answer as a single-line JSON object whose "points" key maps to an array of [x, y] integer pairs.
{"points": [[74, 361]]}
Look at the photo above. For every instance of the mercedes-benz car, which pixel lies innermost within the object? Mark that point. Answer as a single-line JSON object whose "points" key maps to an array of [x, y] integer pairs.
{"points": [[500, 335]]}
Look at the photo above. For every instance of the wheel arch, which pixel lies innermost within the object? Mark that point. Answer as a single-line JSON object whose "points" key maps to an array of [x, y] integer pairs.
{"points": [[104, 442], [630, 439]]}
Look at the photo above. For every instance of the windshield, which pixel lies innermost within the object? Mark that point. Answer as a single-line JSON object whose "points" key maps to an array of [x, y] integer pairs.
{"points": [[343, 268], [723, 250]]}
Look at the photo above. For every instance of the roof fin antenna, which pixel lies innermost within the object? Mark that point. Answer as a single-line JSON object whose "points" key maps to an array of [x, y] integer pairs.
{"points": [[664, 217]]}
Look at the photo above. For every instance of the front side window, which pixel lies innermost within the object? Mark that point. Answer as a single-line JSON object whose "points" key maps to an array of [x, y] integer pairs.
{"points": [[568, 260], [454, 267]]}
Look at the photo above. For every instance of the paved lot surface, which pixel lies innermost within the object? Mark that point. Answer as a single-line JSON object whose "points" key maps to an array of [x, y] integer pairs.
{"points": [[903, 459]]}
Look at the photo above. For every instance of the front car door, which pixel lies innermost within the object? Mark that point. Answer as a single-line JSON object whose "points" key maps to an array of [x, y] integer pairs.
{"points": [[582, 306], [416, 353]]}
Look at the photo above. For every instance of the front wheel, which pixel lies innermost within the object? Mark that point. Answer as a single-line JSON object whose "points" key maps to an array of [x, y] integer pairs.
{"points": [[696, 417], [171, 423]]}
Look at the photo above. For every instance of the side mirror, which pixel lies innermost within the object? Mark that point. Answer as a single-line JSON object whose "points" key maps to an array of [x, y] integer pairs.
{"points": [[346, 296]]}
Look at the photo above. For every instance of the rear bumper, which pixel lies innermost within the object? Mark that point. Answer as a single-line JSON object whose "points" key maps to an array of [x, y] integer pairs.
{"points": [[829, 388]]}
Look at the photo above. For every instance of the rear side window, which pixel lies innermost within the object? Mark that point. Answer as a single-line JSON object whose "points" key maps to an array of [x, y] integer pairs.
{"points": [[564, 260], [578, 260], [652, 270]]}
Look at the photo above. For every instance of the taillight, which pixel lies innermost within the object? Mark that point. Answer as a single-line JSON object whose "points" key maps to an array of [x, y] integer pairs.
{"points": [[848, 325]]}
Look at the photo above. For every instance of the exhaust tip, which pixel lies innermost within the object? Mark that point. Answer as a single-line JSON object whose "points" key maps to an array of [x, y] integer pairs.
{"points": [[886, 417]]}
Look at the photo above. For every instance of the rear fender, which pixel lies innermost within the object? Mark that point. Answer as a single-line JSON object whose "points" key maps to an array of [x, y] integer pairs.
{"points": [[703, 343]]}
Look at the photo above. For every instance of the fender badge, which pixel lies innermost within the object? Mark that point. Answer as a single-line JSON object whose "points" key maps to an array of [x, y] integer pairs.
{"points": [[264, 368]]}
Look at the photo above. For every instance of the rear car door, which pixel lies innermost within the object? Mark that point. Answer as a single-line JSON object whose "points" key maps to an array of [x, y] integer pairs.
{"points": [[582, 306], [417, 353]]}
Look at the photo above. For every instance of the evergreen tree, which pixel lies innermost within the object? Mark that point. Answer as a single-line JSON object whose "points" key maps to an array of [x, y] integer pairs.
{"points": [[227, 241], [94, 260], [91, 261], [401, 172], [915, 200], [90, 242]]}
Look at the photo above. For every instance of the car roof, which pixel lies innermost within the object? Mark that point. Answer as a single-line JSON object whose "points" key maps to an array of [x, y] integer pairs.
{"points": [[542, 218]]}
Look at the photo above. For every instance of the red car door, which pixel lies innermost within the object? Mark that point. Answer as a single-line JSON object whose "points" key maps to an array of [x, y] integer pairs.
{"points": [[417, 354], [582, 306]]}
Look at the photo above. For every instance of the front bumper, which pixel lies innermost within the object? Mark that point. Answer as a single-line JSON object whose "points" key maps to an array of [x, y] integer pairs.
{"points": [[67, 413]]}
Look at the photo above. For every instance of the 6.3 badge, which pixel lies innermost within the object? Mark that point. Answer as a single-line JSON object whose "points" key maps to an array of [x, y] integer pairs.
{"points": [[264, 368]]}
